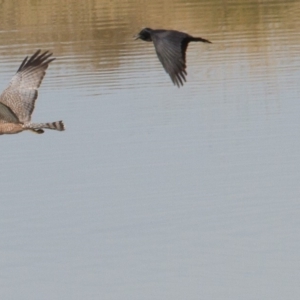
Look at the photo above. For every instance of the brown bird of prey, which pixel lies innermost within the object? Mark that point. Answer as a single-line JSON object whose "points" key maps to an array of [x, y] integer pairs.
{"points": [[170, 46], [18, 99]]}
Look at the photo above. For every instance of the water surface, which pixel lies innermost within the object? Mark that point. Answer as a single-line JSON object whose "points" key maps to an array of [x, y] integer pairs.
{"points": [[154, 192]]}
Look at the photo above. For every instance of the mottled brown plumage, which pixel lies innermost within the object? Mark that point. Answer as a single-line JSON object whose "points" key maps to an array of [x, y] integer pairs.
{"points": [[18, 99]]}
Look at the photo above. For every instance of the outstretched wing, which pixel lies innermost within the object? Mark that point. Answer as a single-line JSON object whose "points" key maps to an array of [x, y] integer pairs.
{"points": [[171, 53], [22, 91]]}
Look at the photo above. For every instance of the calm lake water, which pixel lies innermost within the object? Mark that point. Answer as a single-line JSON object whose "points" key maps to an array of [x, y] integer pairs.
{"points": [[154, 192]]}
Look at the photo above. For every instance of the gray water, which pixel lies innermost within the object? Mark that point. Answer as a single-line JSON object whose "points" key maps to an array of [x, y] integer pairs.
{"points": [[154, 192]]}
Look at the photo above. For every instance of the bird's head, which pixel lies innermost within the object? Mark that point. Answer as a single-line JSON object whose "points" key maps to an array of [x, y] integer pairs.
{"points": [[144, 35]]}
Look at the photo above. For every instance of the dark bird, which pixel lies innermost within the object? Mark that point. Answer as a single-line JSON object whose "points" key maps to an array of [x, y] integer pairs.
{"points": [[170, 46], [18, 99]]}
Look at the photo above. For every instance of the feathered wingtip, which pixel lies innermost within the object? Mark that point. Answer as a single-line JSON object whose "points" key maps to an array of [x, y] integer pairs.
{"points": [[36, 59]]}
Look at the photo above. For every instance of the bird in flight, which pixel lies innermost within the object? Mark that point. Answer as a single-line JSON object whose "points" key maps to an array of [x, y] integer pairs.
{"points": [[170, 46], [18, 99]]}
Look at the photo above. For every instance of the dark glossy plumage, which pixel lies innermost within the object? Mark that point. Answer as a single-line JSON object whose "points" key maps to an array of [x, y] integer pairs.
{"points": [[170, 46]]}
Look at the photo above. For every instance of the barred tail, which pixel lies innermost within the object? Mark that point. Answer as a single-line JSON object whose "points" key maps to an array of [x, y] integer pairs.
{"points": [[59, 125], [38, 127]]}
